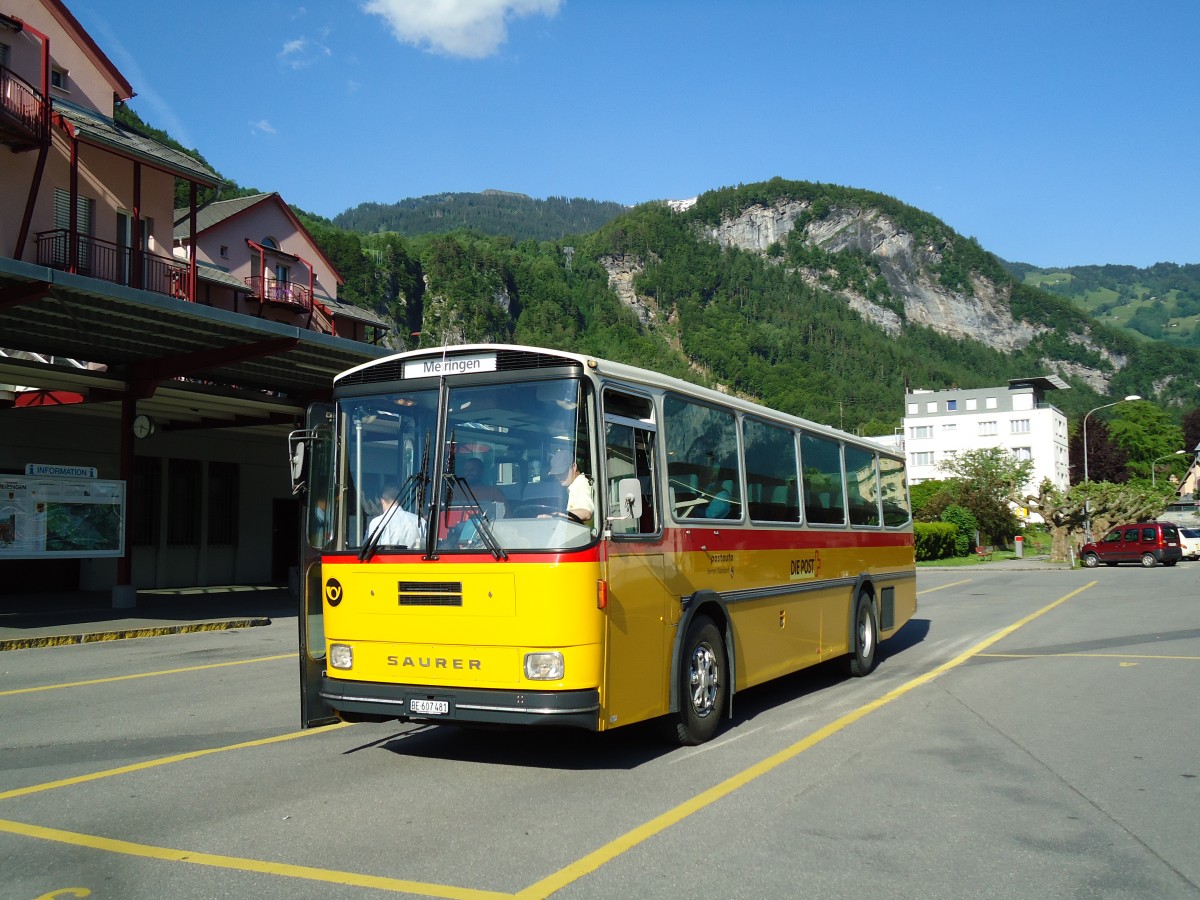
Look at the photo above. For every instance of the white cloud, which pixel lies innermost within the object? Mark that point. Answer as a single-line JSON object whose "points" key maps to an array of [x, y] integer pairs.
{"points": [[468, 28], [262, 126], [302, 52]]}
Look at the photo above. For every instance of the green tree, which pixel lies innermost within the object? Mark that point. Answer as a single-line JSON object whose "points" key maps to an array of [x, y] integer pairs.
{"points": [[1145, 432], [989, 483]]}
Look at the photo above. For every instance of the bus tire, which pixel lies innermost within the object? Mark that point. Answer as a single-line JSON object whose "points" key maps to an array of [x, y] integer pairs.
{"points": [[865, 637], [703, 683]]}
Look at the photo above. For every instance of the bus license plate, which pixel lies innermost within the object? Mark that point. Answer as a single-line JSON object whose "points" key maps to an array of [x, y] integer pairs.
{"points": [[429, 707]]}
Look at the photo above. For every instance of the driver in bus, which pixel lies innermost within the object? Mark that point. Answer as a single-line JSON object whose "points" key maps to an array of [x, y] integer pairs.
{"points": [[403, 528], [565, 469]]}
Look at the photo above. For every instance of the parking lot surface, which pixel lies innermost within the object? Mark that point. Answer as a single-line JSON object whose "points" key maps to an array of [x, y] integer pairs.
{"points": [[1028, 733]]}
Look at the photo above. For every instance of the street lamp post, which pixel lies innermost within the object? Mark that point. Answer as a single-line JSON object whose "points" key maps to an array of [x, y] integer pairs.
{"points": [[1087, 503], [1153, 473]]}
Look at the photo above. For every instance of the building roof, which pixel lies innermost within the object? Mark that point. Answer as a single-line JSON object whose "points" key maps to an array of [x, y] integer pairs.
{"points": [[1042, 382], [143, 338], [220, 211], [214, 213], [94, 128], [350, 311]]}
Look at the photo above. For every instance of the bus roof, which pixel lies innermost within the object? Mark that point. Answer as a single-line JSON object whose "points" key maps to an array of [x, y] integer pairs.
{"points": [[626, 373]]}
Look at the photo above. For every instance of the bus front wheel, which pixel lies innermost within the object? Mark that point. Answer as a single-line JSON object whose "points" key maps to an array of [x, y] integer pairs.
{"points": [[866, 637], [703, 683]]}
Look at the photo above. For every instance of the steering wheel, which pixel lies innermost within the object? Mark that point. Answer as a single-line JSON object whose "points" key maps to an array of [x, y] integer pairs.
{"points": [[574, 518]]}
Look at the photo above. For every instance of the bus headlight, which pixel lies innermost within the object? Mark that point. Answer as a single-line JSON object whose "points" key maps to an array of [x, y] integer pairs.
{"points": [[544, 666], [341, 656]]}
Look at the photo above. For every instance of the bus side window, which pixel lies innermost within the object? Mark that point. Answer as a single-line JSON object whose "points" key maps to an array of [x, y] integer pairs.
{"points": [[629, 438]]}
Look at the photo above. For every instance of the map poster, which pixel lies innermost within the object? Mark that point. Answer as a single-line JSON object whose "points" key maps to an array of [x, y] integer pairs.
{"points": [[61, 517]]}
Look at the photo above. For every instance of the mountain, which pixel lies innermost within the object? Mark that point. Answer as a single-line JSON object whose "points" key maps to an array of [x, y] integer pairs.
{"points": [[1161, 302], [820, 300], [491, 212]]}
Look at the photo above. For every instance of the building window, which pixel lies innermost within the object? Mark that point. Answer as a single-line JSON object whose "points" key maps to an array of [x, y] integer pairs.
{"points": [[1020, 426], [3, 54], [917, 432], [1023, 453], [224, 252], [58, 78], [223, 503], [931, 406], [269, 243], [183, 502], [987, 428], [951, 405], [924, 458], [989, 403], [972, 404], [913, 408], [950, 427]]}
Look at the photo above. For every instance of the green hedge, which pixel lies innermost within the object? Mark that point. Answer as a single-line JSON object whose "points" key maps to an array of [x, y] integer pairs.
{"points": [[934, 540]]}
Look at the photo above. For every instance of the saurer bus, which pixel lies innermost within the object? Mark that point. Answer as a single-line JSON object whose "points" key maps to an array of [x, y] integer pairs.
{"points": [[508, 535]]}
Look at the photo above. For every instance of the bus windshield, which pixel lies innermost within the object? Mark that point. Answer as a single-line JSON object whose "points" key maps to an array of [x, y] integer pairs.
{"points": [[514, 470]]}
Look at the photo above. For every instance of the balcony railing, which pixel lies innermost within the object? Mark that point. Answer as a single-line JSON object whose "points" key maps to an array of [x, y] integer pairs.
{"points": [[109, 262], [23, 123], [292, 296], [285, 293]]}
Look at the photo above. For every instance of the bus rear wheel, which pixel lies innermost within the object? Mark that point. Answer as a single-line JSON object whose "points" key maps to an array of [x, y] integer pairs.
{"points": [[703, 683], [866, 637]]}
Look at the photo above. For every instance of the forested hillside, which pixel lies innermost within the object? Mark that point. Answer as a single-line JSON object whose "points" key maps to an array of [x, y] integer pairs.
{"points": [[491, 212], [820, 300], [1160, 302]]}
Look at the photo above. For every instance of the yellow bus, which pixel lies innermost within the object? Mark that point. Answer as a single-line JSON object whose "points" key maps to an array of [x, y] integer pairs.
{"points": [[520, 536]]}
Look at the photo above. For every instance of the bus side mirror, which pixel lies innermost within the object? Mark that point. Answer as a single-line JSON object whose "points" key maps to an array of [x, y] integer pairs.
{"points": [[296, 458], [629, 494]]}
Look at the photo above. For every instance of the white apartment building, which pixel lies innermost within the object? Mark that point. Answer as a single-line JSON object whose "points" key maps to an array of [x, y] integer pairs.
{"points": [[939, 425]]}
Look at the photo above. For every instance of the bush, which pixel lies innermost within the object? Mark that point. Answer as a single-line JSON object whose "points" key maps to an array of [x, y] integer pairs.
{"points": [[934, 540], [967, 525]]}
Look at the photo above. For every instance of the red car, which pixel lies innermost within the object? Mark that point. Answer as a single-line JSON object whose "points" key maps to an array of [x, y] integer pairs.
{"points": [[1148, 543]]}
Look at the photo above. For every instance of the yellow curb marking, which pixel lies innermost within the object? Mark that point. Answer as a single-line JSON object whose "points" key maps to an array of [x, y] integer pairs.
{"points": [[94, 637], [71, 684]]}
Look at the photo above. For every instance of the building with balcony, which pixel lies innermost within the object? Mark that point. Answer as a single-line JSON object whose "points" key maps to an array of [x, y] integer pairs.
{"points": [[256, 258], [939, 425], [137, 370]]}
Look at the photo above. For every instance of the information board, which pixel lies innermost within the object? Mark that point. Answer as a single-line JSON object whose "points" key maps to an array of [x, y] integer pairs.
{"points": [[61, 517]]}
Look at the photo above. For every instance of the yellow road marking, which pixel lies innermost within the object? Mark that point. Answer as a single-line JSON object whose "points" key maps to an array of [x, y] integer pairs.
{"points": [[242, 864], [71, 684], [541, 889], [1088, 656], [164, 761], [944, 586], [627, 841]]}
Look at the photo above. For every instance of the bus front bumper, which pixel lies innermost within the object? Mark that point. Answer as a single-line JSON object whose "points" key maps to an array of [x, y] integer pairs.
{"points": [[576, 709]]}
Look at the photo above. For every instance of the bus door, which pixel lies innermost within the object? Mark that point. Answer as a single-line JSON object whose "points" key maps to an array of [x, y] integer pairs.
{"points": [[313, 479], [639, 609]]}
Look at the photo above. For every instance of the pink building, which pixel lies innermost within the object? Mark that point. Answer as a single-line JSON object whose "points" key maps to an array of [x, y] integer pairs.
{"points": [[255, 257]]}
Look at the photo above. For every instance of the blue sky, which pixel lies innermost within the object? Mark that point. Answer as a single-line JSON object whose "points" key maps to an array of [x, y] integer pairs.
{"points": [[1056, 132]]}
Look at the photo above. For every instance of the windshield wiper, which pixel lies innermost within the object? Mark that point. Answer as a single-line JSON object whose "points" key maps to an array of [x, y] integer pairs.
{"points": [[404, 498], [477, 517]]}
